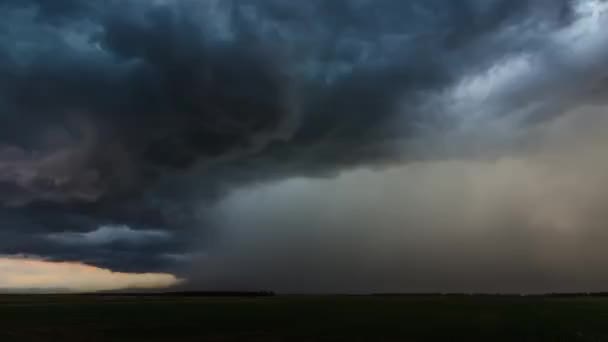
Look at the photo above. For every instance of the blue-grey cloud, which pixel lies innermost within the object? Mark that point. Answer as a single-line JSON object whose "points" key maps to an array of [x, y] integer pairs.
{"points": [[141, 113], [105, 235]]}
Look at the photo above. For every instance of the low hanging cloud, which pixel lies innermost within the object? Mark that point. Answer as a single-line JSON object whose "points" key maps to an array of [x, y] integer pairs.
{"points": [[31, 274], [530, 222], [105, 235]]}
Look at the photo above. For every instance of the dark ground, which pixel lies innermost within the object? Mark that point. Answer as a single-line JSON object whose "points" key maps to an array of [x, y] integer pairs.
{"points": [[302, 318]]}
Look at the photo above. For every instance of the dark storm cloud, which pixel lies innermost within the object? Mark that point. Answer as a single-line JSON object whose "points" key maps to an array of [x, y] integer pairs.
{"points": [[133, 112], [531, 222]]}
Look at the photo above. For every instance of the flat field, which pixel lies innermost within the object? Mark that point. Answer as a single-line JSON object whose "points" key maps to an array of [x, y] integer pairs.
{"points": [[302, 318]]}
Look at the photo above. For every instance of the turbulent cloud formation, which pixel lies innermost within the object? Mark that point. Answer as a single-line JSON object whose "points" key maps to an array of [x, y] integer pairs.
{"points": [[26, 274], [127, 128]]}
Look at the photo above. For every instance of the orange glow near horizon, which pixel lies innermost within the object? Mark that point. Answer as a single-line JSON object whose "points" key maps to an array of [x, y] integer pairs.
{"points": [[20, 273]]}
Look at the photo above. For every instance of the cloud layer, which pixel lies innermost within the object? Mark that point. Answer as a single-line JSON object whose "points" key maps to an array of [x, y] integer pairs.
{"points": [[529, 223], [124, 124]]}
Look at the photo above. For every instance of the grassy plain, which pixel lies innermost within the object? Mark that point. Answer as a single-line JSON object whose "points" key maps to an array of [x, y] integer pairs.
{"points": [[302, 318]]}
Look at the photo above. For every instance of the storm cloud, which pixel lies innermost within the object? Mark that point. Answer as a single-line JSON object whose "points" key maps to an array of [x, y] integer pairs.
{"points": [[530, 223], [125, 124]]}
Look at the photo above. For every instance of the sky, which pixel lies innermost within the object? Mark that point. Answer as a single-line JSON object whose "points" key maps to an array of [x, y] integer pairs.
{"points": [[313, 146]]}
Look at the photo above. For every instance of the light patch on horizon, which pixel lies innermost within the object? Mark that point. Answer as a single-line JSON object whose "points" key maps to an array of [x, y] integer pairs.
{"points": [[110, 234], [29, 274]]}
